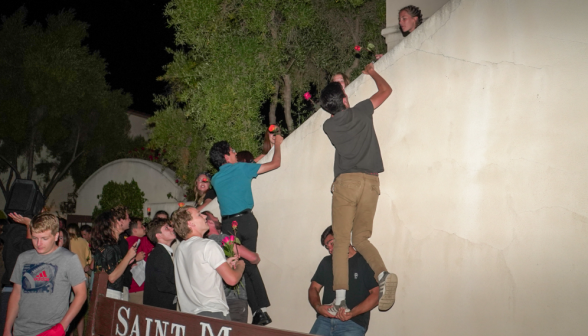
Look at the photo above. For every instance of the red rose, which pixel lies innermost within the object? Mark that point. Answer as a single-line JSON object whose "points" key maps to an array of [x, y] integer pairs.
{"points": [[177, 181], [272, 128], [357, 48]]}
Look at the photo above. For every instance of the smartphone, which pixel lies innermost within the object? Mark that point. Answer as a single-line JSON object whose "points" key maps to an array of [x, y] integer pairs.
{"points": [[138, 243]]}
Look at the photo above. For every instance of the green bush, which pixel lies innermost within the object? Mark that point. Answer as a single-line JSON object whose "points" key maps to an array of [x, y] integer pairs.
{"points": [[126, 194]]}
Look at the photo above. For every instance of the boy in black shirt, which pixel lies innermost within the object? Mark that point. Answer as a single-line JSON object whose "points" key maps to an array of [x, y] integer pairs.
{"points": [[357, 187], [361, 298]]}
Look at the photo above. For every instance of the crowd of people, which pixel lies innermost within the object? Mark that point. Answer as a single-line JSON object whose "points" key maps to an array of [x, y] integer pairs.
{"points": [[195, 263]]}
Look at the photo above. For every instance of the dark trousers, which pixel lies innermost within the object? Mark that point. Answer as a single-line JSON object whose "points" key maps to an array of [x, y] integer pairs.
{"points": [[4, 309], [247, 234]]}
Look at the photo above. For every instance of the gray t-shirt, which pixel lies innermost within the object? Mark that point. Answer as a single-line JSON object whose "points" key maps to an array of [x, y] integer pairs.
{"points": [[356, 145], [46, 282]]}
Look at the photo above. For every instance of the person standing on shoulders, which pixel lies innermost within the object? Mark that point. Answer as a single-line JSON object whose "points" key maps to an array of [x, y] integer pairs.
{"points": [[160, 281], [42, 280], [357, 186], [201, 267], [233, 189]]}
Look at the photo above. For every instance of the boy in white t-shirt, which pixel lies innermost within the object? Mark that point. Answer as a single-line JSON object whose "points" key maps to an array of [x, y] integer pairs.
{"points": [[201, 267]]}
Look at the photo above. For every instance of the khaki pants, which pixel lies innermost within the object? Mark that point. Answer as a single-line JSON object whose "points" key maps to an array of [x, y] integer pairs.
{"points": [[136, 297], [355, 198]]}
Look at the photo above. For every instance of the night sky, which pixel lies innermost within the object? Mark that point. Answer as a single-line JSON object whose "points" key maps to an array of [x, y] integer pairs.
{"points": [[130, 35]]}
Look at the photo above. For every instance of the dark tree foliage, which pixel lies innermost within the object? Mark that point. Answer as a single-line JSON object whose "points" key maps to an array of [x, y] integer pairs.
{"points": [[59, 116]]}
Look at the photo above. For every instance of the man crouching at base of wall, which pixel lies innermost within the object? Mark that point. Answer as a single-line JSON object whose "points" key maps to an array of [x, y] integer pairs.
{"points": [[357, 187], [361, 297], [201, 267], [43, 279]]}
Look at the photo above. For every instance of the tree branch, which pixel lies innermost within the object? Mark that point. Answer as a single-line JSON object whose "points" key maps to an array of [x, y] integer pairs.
{"points": [[57, 176], [11, 166]]}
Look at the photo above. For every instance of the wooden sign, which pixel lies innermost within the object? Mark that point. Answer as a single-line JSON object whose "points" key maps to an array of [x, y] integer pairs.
{"points": [[121, 318]]}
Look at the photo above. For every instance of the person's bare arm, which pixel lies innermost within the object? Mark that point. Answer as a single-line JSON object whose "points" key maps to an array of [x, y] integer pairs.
{"points": [[258, 158], [206, 202], [74, 308], [384, 89], [276, 160], [246, 254], [22, 220], [315, 299], [120, 269], [366, 305], [229, 275], [12, 309]]}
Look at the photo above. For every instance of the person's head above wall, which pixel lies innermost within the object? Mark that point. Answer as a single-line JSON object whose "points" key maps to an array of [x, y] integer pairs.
{"points": [[409, 18], [340, 78]]}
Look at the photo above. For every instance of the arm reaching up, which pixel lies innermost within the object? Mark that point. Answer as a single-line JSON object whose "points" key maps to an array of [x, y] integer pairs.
{"points": [[276, 160], [384, 89]]}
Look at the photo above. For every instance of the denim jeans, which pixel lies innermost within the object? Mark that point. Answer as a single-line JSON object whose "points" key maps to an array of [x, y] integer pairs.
{"points": [[334, 327]]}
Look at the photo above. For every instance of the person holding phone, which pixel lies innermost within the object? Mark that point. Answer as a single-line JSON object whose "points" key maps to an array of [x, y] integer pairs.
{"points": [[107, 253]]}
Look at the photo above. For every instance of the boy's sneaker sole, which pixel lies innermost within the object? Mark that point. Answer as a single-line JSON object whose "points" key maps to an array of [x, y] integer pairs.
{"points": [[387, 291], [335, 308]]}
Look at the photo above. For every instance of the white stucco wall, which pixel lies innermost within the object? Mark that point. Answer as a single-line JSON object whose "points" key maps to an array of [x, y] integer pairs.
{"points": [[482, 212], [155, 181]]}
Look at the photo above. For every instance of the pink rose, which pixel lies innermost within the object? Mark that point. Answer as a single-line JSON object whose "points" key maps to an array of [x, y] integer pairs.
{"points": [[232, 238], [307, 95], [225, 240], [357, 48], [234, 224]]}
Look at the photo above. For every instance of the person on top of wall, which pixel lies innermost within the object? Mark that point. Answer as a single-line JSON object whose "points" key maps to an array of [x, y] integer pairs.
{"points": [[107, 253], [362, 297], [340, 78], [409, 18], [203, 191], [269, 140], [356, 187], [233, 188]]}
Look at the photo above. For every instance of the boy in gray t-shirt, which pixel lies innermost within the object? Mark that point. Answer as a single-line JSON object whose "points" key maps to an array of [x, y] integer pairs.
{"points": [[42, 279]]}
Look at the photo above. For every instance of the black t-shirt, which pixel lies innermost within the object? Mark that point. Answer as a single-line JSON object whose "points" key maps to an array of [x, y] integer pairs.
{"points": [[210, 194], [361, 280], [107, 258], [15, 242], [123, 245], [356, 145]]}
